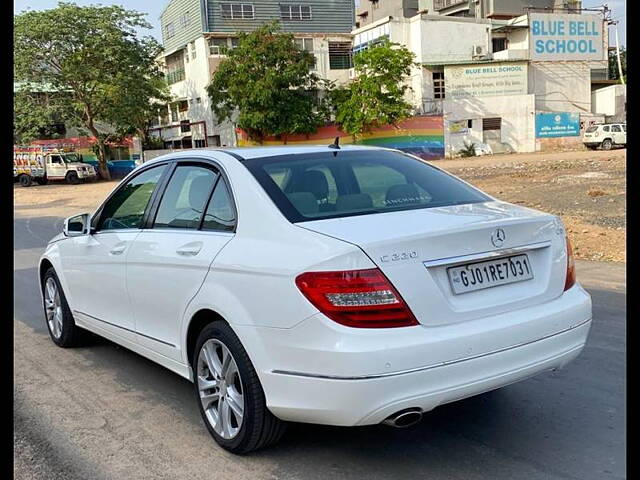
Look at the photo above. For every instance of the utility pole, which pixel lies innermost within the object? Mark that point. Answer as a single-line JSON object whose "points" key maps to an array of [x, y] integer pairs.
{"points": [[615, 23]]}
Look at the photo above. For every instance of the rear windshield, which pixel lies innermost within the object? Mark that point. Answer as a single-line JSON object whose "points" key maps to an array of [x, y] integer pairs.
{"points": [[341, 184], [592, 129]]}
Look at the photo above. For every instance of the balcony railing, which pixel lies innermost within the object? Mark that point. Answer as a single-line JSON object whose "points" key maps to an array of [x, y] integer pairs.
{"points": [[175, 76], [442, 4]]}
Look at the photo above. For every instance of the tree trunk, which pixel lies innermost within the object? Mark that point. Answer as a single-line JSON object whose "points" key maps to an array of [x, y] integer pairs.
{"points": [[102, 160], [102, 152]]}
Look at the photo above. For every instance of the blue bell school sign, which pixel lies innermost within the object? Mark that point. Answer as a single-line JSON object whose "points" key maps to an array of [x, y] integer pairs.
{"points": [[552, 125], [565, 37]]}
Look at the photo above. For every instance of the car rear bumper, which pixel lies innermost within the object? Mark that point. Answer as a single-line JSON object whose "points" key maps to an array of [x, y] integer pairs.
{"points": [[338, 376], [370, 401]]}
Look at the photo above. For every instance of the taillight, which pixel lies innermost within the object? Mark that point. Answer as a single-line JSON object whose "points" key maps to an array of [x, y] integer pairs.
{"points": [[356, 298], [571, 268]]}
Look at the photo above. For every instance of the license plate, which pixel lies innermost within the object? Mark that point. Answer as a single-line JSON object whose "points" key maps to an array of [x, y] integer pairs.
{"points": [[491, 273]]}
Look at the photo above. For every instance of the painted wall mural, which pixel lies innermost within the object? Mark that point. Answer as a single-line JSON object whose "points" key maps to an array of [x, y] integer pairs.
{"points": [[421, 136]]}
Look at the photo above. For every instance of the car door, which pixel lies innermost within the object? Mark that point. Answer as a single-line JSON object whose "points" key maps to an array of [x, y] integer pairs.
{"points": [[619, 136], [168, 262], [56, 167], [94, 265]]}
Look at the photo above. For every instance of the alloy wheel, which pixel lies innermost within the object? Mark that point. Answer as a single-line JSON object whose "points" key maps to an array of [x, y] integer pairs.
{"points": [[53, 307], [220, 388]]}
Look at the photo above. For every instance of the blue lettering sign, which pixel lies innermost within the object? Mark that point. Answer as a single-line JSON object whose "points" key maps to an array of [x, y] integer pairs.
{"points": [[551, 125]]}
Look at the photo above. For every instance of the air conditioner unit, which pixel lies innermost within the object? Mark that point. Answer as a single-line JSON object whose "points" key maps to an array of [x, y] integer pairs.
{"points": [[479, 51]]}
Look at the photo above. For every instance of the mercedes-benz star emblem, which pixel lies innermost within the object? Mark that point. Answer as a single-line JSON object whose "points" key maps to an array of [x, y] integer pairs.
{"points": [[498, 237]]}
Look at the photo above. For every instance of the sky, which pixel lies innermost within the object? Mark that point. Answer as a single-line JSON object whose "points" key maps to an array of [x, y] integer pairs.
{"points": [[154, 8]]}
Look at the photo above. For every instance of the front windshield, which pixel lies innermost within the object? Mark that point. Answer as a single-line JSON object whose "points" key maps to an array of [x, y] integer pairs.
{"points": [[340, 184], [71, 158]]}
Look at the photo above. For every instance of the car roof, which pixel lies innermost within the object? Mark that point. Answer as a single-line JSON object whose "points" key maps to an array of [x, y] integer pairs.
{"points": [[247, 153]]}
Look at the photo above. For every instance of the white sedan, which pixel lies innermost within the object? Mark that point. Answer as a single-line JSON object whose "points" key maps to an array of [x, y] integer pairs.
{"points": [[338, 286]]}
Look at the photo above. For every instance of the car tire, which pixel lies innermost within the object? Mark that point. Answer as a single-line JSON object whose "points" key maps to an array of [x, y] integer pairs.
{"points": [[219, 389], [25, 180], [58, 318], [72, 178], [42, 180], [606, 144]]}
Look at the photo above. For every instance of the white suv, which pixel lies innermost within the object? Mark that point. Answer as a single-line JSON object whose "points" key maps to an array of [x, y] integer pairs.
{"points": [[605, 135]]}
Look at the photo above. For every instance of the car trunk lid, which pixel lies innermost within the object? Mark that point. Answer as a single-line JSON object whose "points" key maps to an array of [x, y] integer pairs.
{"points": [[414, 249]]}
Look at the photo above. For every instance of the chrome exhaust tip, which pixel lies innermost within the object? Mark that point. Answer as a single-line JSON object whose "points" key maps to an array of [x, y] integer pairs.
{"points": [[404, 418]]}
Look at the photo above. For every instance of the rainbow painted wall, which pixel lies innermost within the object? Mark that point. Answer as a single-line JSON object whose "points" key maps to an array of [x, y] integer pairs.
{"points": [[421, 136]]}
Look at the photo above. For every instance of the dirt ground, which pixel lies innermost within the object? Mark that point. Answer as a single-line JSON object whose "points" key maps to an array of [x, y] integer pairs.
{"points": [[586, 188]]}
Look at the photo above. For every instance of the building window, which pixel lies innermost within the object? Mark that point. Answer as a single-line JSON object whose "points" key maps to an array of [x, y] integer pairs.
{"points": [[185, 126], [237, 11], [499, 44], [307, 45], [304, 44], [295, 12], [219, 46], [185, 19], [169, 30], [340, 56], [175, 67], [494, 123], [174, 113], [438, 84]]}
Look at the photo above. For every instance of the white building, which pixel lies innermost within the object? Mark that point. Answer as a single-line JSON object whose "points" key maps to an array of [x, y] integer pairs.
{"points": [[501, 81], [194, 32]]}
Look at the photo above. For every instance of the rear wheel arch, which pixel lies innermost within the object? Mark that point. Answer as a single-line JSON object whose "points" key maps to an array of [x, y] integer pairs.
{"points": [[197, 323]]}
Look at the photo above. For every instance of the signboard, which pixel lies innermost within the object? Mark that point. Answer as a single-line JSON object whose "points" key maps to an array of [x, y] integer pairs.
{"points": [[486, 80], [565, 37], [551, 125], [459, 127]]}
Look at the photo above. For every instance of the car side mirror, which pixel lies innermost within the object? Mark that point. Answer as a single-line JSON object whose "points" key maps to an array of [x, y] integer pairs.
{"points": [[77, 225]]}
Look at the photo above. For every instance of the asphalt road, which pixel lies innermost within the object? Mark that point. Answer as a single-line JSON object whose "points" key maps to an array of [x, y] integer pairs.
{"points": [[105, 412]]}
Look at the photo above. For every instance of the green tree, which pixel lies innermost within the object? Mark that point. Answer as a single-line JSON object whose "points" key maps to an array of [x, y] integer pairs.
{"points": [[614, 72], [105, 76], [376, 96], [268, 83], [33, 115]]}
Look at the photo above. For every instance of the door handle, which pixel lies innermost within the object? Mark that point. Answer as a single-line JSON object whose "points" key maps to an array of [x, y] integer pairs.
{"points": [[190, 249], [119, 248]]}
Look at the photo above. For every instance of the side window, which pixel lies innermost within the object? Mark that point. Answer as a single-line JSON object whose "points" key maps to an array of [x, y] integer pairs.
{"points": [[605, 128], [127, 206], [220, 215], [185, 198], [616, 128], [624, 127], [56, 159]]}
